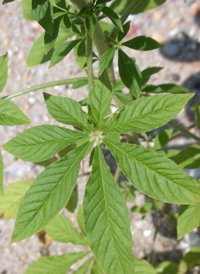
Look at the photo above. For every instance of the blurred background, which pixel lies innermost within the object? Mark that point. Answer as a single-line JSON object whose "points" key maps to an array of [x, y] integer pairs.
{"points": [[176, 25]]}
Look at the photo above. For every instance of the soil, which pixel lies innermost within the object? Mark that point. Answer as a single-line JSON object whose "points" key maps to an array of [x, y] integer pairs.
{"points": [[176, 25]]}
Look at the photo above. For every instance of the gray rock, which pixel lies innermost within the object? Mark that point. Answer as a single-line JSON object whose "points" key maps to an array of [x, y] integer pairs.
{"points": [[172, 49]]}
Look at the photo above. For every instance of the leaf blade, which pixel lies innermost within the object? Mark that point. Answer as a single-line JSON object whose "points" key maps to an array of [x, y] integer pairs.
{"points": [[142, 43], [55, 264], [103, 223], [66, 111], [146, 169], [129, 73], [43, 14], [189, 219], [3, 70], [11, 115], [148, 113], [60, 229], [11, 200], [41, 142], [1, 174], [48, 194], [99, 100]]}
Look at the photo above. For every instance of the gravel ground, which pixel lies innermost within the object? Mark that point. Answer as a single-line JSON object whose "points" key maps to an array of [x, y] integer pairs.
{"points": [[176, 26]]}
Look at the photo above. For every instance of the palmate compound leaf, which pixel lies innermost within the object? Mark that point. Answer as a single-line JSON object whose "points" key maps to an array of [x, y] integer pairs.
{"points": [[42, 142], [60, 229], [99, 100], [11, 200], [11, 115], [48, 194], [106, 220], [155, 175], [66, 111], [1, 174], [189, 219], [58, 264], [148, 113]]}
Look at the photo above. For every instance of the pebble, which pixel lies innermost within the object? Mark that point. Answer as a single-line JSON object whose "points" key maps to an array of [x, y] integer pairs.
{"points": [[147, 233], [192, 31], [17, 169], [174, 32], [172, 49], [159, 36], [31, 100]]}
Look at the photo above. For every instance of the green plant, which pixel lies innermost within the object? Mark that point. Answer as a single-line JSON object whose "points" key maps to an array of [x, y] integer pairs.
{"points": [[104, 219]]}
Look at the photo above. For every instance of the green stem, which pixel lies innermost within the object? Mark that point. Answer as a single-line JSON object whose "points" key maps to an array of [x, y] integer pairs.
{"points": [[178, 133], [117, 174], [124, 16], [184, 131], [89, 62], [45, 85]]}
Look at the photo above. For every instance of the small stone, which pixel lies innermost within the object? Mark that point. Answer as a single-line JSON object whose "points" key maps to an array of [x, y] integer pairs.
{"points": [[6, 42], [158, 16], [194, 9], [175, 77], [174, 32], [159, 36], [23, 258], [31, 100], [172, 49], [192, 31], [147, 233]]}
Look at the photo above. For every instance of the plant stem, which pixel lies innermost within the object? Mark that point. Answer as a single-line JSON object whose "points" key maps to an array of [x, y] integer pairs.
{"points": [[117, 174], [184, 131], [124, 16], [89, 62], [45, 85], [178, 133]]}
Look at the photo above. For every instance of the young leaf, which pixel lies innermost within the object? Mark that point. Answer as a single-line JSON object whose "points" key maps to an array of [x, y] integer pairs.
{"points": [[49, 40], [96, 269], [189, 219], [80, 54], [148, 113], [142, 43], [170, 88], [125, 98], [73, 200], [41, 142], [80, 83], [61, 51], [1, 174], [142, 266], [60, 229], [3, 71], [112, 16], [106, 220], [48, 194], [11, 200], [119, 85], [43, 14], [90, 22], [106, 60], [80, 219], [168, 267], [55, 264], [146, 73], [188, 158], [37, 54], [155, 175], [66, 21], [7, 1], [129, 73], [162, 138], [66, 111], [99, 100], [191, 259], [126, 28], [11, 115], [83, 269]]}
